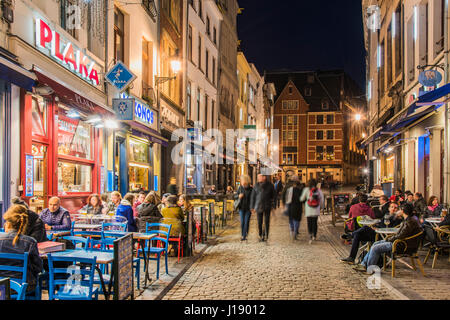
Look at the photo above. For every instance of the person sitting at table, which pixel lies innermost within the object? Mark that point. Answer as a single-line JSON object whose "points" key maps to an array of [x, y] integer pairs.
{"points": [[397, 196], [420, 205], [35, 227], [408, 228], [184, 203], [445, 221], [139, 200], [433, 209], [409, 198], [15, 241], [354, 201], [148, 212], [358, 210], [367, 233], [376, 192], [173, 214], [112, 205], [125, 209], [163, 202], [212, 191], [94, 205], [56, 217], [383, 209]]}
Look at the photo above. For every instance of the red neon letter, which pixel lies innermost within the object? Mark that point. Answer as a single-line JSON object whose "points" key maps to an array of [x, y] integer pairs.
{"points": [[69, 57], [93, 76], [43, 33], [56, 50]]}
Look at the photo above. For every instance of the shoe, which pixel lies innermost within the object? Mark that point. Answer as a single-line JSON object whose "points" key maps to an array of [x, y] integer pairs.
{"points": [[310, 241], [360, 267], [242, 238], [314, 238], [348, 260], [346, 236], [261, 239]]}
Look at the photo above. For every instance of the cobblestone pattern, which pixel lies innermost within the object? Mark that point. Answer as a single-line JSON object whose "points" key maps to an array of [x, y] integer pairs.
{"points": [[278, 269]]}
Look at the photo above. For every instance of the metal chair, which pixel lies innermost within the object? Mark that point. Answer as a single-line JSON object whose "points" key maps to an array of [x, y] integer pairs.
{"points": [[436, 244], [412, 254], [162, 236], [19, 289]]}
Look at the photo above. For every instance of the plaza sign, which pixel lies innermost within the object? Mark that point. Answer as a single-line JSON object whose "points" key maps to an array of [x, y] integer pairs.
{"points": [[65, 53]]}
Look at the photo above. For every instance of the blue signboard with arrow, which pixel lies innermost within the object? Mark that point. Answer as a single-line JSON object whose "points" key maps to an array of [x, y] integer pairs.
{"points": [[120, 76]]}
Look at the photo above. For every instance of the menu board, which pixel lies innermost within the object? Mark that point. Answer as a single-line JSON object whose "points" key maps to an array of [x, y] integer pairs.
{"points": [[29, 177], [212, 218], [204, 224], [123, 268]]}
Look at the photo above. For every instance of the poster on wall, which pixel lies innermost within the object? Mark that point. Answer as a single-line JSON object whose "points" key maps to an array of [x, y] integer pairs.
{"points": [[29, 183]]}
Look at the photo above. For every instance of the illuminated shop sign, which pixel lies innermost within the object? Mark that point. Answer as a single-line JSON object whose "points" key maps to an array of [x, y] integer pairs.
{"points": [[142, 112], [65, 53]]}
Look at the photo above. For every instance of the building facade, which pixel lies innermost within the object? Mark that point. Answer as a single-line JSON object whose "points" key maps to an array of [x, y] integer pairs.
{"points": [[313, 115], [407, 139]]}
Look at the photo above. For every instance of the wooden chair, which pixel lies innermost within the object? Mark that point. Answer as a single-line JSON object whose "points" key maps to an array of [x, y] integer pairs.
{"points": [[412, 255]]}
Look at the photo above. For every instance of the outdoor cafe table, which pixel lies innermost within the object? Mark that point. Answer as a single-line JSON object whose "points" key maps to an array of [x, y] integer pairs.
{"points": [[137, 236], [52, 234], [433, 221], [368, 222], [102, 258], [87, 226], [385, 232]]}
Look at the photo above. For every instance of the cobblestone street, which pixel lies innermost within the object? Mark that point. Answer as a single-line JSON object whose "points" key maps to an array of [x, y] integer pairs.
{"points": [[278, 269]]}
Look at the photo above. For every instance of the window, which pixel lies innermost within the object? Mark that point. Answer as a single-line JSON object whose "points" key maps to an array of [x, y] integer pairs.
{"points": [[73, 177], [325, 104], [439, 25], [189, 101], [284, 120], [319, 152], [423, 34], [290, 104], [147, 69], [198, 104], [397, 34], [66, 17], [330, 152], [213, 109], [200, 9], [330, 119], [215, 35], [119, 38], [291, 120], [308, 92], [200, 52], [208, 26], [389, 56], [319, 119], [206, 111], [173, 11], [290, 89], [190, 43], [410, 45], [319, 135], [214, 71], [381, 67], [289, 158], [330, 134], [138, 151], [207, 64], [39, 116], [74, 137]]}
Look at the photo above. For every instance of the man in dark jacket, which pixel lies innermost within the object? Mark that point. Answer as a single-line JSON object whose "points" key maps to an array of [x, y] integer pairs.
{"points": [[172, 188], [420, 205], [35, 227], [383, 209], [278, 185], [409, 227], [263, 201]]}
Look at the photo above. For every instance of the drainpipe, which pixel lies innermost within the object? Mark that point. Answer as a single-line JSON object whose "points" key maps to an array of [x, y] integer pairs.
{"points": [[446, 132]]}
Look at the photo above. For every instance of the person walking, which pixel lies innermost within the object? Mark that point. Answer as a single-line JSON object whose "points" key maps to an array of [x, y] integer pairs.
{"points": [[314, 202], [262, 202], [294, 208], [278, 189], [244, 195]]}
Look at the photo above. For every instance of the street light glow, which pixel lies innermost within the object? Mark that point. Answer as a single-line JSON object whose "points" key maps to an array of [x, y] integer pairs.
{"points": [[176, 66], [358, 117]]}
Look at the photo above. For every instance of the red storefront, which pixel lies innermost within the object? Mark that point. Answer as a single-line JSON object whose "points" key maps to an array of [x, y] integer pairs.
{"points": [[63, 144]]}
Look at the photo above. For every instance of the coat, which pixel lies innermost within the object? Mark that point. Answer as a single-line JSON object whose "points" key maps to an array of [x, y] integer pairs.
{"points": [[419, 207], [126, 210], [312, 211], [409, 227], [175, 217], [263, 197], [382, 211], [245, 202], [433, 213], [35, 227], [147, 212], [358, 210], [295, 208]]}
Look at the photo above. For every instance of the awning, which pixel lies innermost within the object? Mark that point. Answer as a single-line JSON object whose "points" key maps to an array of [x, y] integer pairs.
{"points": [[371, 138], [12, 72], [72, 96], [139, 130]]}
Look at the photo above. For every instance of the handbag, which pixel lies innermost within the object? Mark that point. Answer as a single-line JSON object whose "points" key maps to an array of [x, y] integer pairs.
{"points": [[236, 204]]}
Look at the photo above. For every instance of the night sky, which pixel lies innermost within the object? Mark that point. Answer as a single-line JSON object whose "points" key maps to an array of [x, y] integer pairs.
{"points": [[304, 35]]}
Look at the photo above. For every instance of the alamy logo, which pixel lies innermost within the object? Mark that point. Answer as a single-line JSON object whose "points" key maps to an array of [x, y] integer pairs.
{"points": [[374, 281], [73, 17]]}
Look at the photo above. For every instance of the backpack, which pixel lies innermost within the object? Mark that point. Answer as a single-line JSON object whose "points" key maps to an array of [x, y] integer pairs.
{"points": [[313, 200]]}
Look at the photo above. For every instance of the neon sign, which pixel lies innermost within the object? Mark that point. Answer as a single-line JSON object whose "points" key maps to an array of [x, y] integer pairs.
{"points": [[65, 53], [142, 112]]}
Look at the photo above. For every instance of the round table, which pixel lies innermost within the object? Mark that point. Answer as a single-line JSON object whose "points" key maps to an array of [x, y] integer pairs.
{"points": [[369, 222], [384, 232], [433, 221]]}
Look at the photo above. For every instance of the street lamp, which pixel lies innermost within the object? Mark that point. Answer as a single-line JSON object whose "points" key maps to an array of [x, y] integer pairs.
{"points": [[358, 117]]}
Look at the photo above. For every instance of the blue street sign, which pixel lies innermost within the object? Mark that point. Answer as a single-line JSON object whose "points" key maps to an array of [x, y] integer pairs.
{"points": [[120, 76], [430, 78], [124, 108]]}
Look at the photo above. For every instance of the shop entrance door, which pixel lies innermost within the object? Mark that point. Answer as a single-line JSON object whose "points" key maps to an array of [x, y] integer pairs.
{"points": [[121, 166], [39, 201]]}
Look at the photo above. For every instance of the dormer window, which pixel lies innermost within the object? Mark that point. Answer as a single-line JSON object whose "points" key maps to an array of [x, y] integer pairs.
{"points": [[308, 91], [325, 104]]}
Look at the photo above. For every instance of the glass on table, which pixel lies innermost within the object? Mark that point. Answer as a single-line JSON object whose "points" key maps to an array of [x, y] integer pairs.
{"points": [[387, 220]]}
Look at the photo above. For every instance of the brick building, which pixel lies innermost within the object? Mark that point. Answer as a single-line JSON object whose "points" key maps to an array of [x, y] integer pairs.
{"points": [[314, 112]]}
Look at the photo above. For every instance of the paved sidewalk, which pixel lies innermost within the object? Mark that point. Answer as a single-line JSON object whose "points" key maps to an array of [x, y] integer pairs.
{"points": [[278, 269], [408, 284]]}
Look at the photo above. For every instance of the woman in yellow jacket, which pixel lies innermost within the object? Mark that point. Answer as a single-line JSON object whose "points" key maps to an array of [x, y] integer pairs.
{"points": [[173, 214]]}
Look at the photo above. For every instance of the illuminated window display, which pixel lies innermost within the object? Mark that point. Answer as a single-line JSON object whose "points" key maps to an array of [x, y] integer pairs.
{"points": [[139, 167]]}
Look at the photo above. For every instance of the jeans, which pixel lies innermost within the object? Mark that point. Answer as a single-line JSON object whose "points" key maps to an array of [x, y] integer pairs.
{"points": [[378, 248], [294, 225], [363, 234], [263, 215], [245, 222], [312, 226]]}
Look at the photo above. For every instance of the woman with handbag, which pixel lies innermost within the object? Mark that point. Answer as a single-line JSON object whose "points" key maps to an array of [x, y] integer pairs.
{"points": [[242, 202], [294, 208]]}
